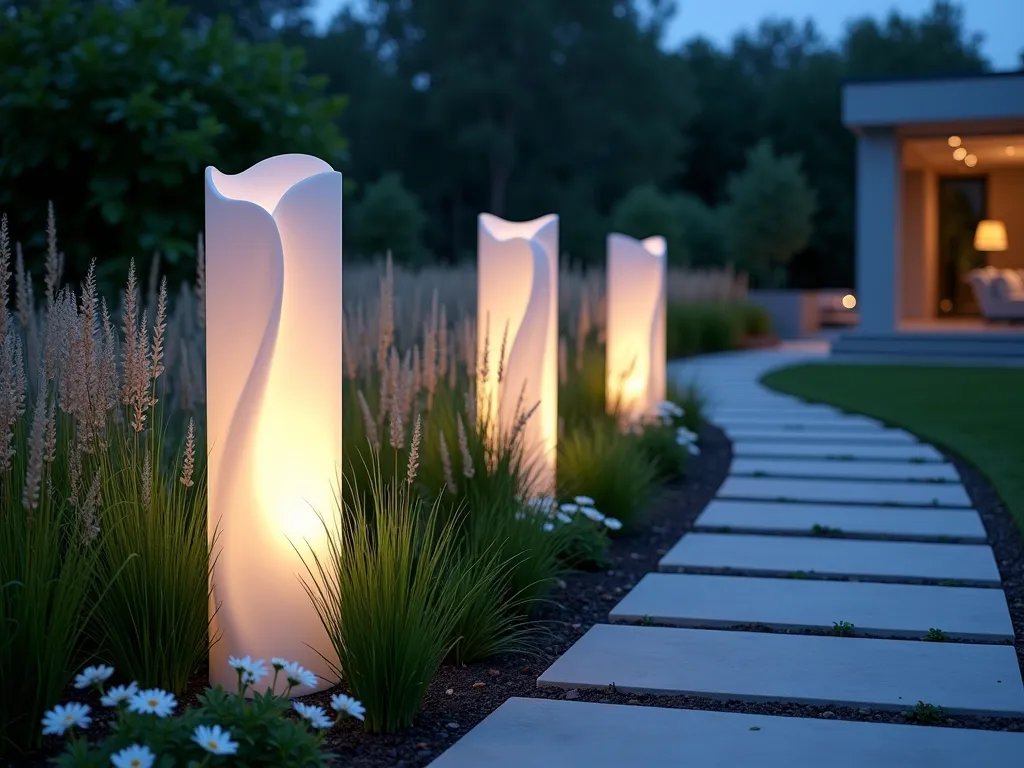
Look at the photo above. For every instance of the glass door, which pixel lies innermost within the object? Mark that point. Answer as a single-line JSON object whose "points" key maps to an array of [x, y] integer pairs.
{"points": [[962, 204]]}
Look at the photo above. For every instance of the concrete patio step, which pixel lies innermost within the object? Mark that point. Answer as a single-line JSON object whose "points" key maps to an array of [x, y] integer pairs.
{"points": [[879, 610], [917, 562], [756, 666], [820, 434], [908, 452], [561, 734], [844, 470], [884, 493], [842, 520]]}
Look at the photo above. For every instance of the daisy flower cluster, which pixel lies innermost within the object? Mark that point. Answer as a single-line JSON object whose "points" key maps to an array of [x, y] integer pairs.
{"points": [[569, 512], [666, 412], [214, 739], [688, 439]]}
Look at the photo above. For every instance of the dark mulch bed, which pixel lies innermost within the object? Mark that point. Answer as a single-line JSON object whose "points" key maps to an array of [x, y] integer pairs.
{"points": [[459, 698]]}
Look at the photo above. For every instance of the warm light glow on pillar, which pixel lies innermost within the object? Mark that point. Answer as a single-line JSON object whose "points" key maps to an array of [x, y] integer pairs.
{"points": [[954, 141], [959, 153], [971, 160], [849, 301], [636, 325], [517, 301], [274, 373]]}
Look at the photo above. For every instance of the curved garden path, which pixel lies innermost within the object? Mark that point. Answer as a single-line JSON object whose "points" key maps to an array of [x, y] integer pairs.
{"points": [[835, 546]]}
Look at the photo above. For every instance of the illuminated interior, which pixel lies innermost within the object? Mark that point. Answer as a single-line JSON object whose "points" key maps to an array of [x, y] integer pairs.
{"points": [[951, 183]]}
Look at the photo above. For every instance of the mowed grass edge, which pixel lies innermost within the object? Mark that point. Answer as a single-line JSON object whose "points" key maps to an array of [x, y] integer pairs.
{"points": [[975, 413]]}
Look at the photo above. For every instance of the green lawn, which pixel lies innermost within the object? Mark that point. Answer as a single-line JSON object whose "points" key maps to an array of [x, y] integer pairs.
{"points": [[976, 413]]}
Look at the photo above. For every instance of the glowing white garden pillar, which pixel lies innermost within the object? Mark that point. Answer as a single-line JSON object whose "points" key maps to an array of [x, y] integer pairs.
{"points": [[636, 325], [517, 299], [274, 373]]}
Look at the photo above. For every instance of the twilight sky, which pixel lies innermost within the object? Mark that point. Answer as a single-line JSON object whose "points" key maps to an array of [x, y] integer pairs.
{"points": [[1001, 21]]}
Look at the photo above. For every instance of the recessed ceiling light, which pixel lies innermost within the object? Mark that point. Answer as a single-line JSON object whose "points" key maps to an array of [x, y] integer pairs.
{"points": [[959, 153], [1011, 151], [954, 141], [970, 161]]}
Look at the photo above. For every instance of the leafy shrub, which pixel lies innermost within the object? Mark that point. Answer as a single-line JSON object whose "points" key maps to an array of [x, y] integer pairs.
{"points": [[390, 592], [756, 320], [152, 103], [720, 328], [225, 727], [389, 219], [609, 467], [769, 213]]}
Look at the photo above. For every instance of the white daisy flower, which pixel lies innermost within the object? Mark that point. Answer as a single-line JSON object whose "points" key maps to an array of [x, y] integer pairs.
{"points": [[549, 527], [564, 518], [298, 675], [694, 449], [584, 501], [346, 705], [316, 716], [520, 515], [135, 756], [65, 716], [119, 694], [214, 740], [255, 672], [570, 508], [278, 663], [152, 701], [613, 524], [592, 514], [93, 676]]}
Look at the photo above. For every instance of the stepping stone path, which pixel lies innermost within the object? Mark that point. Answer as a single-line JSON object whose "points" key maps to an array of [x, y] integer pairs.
{"points": [[879, 547]]}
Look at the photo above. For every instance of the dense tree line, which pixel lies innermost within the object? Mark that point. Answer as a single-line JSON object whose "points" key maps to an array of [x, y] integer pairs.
{"points": [[453, 107]]}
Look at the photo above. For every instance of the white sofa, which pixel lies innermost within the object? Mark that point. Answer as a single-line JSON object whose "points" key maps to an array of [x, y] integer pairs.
{"points": [[1000, 293]]}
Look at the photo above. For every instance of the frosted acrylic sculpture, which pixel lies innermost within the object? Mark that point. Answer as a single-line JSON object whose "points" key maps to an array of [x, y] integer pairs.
{"points": [[274, 373], [517, 308], [636, 325]]}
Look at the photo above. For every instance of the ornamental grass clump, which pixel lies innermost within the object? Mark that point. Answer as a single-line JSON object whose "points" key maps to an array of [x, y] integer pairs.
{"points": [[389, 591], [608, 465]]}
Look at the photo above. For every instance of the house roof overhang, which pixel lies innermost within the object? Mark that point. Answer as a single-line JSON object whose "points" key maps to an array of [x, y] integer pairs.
{"points": [[988, 103]]}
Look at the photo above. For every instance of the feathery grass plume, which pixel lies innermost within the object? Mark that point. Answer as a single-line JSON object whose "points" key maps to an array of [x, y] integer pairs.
{"points": [[53, 258], [201, 283], [349, 353], [109, 380], [5, 274], [12, 396], [430, 359], [501, 354], [414, 451], [36, 450], [147, 480], [89, 520], [22, 289], [188, 464], [453, 371], [159, 329], [468, 470], [442, 338], [372, 433], [386, 319], [416, 374], [446, 464], [485, 355]]}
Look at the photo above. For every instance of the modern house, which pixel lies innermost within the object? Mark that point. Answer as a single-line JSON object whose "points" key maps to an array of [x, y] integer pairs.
{"points": [[939, 217]]}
